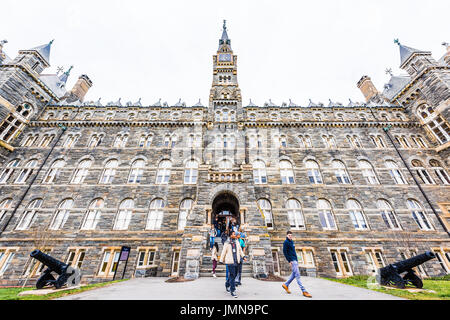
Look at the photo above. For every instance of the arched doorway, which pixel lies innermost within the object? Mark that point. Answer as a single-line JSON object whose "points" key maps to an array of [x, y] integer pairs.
{"points": [[225, 207]]}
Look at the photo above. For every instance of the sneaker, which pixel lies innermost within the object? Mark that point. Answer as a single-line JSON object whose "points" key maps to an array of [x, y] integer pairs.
{"points": [[306, 294], [214, 275], [234, 294], [285, 287], [228, 289]]}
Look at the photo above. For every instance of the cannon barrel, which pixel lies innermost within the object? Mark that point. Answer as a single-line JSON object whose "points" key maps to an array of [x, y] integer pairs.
{"points": [[53, 264], [405, 265]]}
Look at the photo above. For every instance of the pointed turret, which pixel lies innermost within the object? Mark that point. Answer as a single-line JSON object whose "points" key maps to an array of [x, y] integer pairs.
{"points": [[408, 54], [44, 51], [224, 41], [63, 78]]}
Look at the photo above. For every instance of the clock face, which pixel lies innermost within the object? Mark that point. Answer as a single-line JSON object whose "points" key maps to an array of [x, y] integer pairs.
{"points": [[225, 57]]}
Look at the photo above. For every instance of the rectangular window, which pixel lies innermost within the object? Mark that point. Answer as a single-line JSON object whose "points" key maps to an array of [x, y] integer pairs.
{"points": [[374, 259], [276, 262], [76, 257], [175, 262], [109, 262], [146, 257], [341, 263], [35, 267], [6, 256], [305, 257], [443, 257]]}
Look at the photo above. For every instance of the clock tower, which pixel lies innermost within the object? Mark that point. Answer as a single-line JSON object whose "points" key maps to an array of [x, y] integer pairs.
{"points": [[225, 103]]}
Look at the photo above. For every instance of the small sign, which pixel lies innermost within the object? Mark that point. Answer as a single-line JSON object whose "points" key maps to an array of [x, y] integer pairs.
{"points": [[125, 251]]}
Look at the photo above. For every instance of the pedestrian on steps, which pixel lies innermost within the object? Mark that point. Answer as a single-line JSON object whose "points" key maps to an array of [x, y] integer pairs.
{"points": [[242, 245], [214, 258], [232, 255], [291, 256], [212, 236]]}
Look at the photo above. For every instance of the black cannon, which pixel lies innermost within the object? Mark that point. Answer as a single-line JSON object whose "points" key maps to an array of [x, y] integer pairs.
{"points": [[67, 274], [391, 273]]}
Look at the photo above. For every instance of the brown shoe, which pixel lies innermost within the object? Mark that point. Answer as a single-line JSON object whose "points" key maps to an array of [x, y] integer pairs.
{"points": [[306, 294], [285, 288]]}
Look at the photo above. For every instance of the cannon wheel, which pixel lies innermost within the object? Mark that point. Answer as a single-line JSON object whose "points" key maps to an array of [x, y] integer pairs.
{"points": [[414, 279], [44, 280]]}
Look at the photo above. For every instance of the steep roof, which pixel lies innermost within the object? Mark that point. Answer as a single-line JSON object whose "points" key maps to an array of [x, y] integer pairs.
{"points": [[395, 85], [407, 52], [44, 51]]}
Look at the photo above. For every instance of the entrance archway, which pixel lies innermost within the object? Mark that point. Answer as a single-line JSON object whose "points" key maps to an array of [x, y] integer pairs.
{"points": [[225, 207]]}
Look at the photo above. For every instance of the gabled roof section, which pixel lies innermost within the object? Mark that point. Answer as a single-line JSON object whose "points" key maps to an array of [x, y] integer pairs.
{"points": [[395, 85]]}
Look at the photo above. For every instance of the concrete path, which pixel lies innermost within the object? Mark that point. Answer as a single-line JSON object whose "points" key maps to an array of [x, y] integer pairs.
{"points": [[214, 289]]}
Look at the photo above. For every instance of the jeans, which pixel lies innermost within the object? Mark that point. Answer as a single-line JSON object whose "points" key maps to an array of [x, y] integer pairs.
{"points": [[211, 242], [232, 272], [226, 273], [239, 273], [295, 274]]}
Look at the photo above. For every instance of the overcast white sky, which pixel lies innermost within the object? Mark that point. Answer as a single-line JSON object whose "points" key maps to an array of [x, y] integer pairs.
{"points": [[286, 49]]}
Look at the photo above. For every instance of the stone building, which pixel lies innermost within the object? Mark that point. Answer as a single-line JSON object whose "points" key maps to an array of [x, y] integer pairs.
{"points": [[360, 185]]}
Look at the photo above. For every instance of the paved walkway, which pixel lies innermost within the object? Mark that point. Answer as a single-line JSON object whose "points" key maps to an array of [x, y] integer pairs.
{"points": [[214, 289]]}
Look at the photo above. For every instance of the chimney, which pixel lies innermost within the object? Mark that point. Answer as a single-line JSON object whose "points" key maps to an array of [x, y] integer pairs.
{"points": [[81, 87], [367, 88]]}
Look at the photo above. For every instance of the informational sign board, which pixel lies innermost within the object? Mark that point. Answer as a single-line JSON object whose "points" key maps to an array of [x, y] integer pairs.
{"points": [[124, 253]]}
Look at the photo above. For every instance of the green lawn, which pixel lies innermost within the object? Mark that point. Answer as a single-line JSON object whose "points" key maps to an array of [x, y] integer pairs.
{"points": [[441, 286], [12, 293]]}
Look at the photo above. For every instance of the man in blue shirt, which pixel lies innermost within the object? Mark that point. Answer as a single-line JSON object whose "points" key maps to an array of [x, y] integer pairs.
{"points": [[291, 257]]}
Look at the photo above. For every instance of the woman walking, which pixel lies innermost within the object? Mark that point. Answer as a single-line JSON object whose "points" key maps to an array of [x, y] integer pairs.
{"points": [[214, 258]]}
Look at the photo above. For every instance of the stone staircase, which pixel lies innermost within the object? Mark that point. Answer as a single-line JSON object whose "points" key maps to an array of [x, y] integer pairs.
{"points": [[206, 264]]}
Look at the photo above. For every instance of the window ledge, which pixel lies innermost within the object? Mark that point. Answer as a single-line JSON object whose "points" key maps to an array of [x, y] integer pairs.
{"points": [[440, 148], [6, 145]]}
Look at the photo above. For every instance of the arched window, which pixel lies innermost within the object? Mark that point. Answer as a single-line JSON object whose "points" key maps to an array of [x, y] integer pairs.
{"points": [[93, 214], [137, 171], [326, 215], [110, 171], [26, 171], [286, 172], [46, 140], [252, 117], [29, 214], [313, 172], [259, 172], [395, 172], [30, 140], [304, 141], [329, 141], [283, 141], [422, 172], [354, 141], [163, 174], [419, 215], [54, 171], [71, 140], [266, 210], [402, 141], [357, 215], [124, 215], [155, 215], [440, 172], [5, 205], [191, 172], [378, 141], [15, 122], [340, 172], [388, 215], [61, 215], [185, 209], [8, 171], [295, 215], [225, 165], [120, 141], [95, 140], [368, 172], [419, 141], [82, 171]]}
